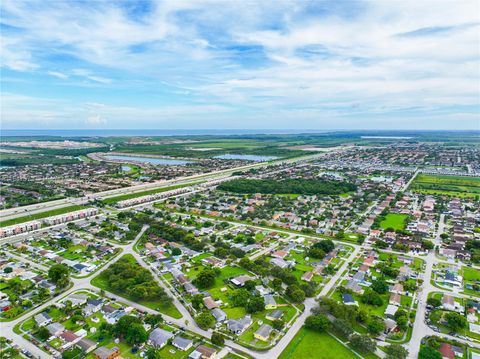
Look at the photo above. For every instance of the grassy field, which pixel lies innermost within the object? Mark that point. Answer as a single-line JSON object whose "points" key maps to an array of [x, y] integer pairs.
{"points": [[471, 274], [53, 212], [458, 186], [395, 221], [308, 344], [113, 200]]}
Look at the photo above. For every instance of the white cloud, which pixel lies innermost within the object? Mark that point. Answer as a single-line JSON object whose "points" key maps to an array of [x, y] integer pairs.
{"points": [[57, 74], [95, 120], [336, 63]]}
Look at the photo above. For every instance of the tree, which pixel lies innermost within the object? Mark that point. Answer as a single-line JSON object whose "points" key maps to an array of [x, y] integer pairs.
{"points": [[402, 322], [316, 253], [74, 353], [278, 324], [434, 302], [125, 322], [59, 274], [317, 322], [43, 333], [326, 245], [197, 301], [371, 297], [152, 353], [218, 339], [136, 334], [429, 353], [295, 294], [255, 304], [455, 321], [249, 285], [176, 251], [205, 320], [379, 286], [363, 343], [240, 297], [427, 244], [375, 326], [276, 284], [342, 327], [396, 351], [153, 319], [206, 278]]}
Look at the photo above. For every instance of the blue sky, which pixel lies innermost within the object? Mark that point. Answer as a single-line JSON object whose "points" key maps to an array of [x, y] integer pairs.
{"points": [[240, 64]]}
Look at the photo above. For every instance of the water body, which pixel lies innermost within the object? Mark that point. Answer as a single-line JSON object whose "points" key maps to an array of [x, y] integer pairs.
{"points": [[389, 137], [153, 161], [145, 132], [126, 168], [253, 158]]}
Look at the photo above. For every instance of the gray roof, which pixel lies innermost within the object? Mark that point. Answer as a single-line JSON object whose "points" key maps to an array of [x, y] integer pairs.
{"points": [[42, 317], [85, 344], [236, 325], [55, 327], [104, 353], [264, 330], [181, 342], [219, 314], [269, 299], [276, 314], [159, 336]]}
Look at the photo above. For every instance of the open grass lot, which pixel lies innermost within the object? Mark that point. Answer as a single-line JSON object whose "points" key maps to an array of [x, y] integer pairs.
{"points": [[471, 277], [308, 344], [458, 186], [113, 200], [395, 221], [32, 217], [471, 274]]}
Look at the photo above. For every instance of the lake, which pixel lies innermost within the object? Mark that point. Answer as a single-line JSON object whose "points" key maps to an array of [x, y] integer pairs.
{"points": [[246, 157], [153, 161]]}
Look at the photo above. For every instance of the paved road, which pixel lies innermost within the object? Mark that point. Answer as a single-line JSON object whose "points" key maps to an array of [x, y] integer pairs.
{"points": [[44, 206], [420, 328]]}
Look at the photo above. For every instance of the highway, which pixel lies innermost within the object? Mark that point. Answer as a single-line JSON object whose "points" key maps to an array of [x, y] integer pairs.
{"points": [[12, 213]]}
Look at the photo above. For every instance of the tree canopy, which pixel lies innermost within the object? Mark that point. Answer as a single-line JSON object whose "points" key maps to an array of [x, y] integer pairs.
{"points": [[287, 186]]}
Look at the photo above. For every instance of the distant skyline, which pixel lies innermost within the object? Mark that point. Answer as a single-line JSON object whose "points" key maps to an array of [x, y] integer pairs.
{"points": [[324, 65]]}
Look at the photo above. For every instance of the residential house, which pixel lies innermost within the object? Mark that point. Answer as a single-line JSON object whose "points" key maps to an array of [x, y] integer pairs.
{"points": [[182, 343], [42, 319], [270, 302], [219, 314], [274, 315], [307, 276], [158, 338], [263, 333], [238, 326], [86, 345], [210, 303], [395, 299], [348, 299], [206, 352], [106, 353], [55, 329]]}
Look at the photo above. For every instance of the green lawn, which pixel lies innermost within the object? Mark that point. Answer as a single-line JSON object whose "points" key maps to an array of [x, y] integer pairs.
{"points": [[458, 186], [471, 274], [395, 221], [308, 344], [32, 217]]}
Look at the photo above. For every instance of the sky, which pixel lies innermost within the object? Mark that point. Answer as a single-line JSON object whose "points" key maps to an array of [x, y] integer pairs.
{"points": [[243, 64]]}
